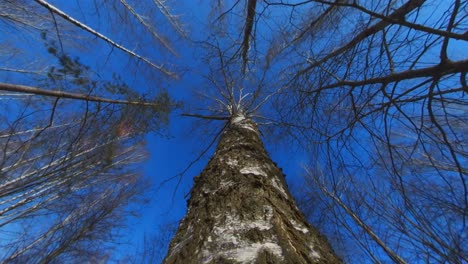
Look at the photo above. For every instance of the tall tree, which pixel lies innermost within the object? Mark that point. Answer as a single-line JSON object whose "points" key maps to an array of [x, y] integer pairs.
{"points": [[375, 92], [240, 210]]}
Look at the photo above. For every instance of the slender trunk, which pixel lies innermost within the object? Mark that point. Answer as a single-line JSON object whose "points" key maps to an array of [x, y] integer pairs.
{"points": [[240, 210]]}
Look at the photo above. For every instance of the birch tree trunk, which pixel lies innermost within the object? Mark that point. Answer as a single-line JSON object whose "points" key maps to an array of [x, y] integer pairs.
{"points": [[241, 211]]}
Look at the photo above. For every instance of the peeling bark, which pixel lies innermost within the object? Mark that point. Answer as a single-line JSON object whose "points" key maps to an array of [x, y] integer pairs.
{"points": [[241, 211]]}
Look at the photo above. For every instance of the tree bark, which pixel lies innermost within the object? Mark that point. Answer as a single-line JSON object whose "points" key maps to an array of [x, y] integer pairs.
{"points": [[241, 211]]}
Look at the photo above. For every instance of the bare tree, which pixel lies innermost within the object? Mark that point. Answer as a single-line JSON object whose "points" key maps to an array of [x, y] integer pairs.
{"points": [[66, 183], [69, 139], [240, 210], [154, 245], [380, 97]]}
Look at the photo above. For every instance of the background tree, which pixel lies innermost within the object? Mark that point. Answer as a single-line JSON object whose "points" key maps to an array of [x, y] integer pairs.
{"points": [[154, 245], [70, 141], [74, 171], [380, 94]]}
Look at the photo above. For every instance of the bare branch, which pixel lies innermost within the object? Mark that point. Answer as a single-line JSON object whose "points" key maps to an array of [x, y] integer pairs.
{"points": [[60, 94], [106, 39]]}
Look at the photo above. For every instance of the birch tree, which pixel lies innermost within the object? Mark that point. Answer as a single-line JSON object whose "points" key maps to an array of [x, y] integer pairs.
{"points": [[375, 92], [240, 209]]}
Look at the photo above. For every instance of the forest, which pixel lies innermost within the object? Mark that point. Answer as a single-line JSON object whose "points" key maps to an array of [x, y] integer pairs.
{"points": [[233, 131]]}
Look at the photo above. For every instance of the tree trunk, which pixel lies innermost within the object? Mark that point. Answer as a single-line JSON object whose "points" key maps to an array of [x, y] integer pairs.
{"points": [[240, 210]]}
